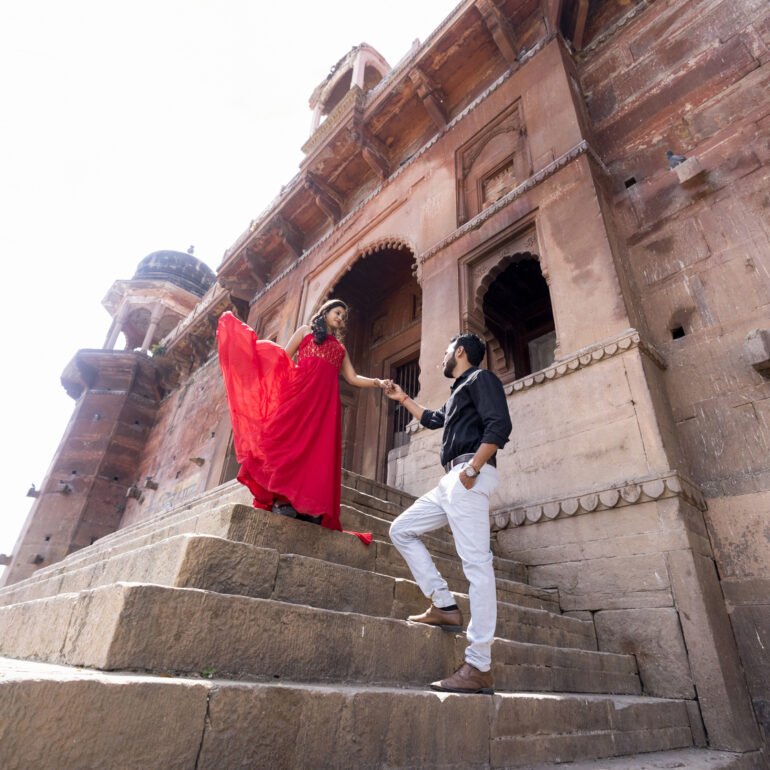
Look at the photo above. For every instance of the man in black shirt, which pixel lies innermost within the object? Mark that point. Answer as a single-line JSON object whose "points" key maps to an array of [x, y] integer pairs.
{"points": [[476, 424]]}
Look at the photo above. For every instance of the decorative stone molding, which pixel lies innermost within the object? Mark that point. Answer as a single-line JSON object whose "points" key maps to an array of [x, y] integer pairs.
{"points": [[639, 490], [582, 148], [628, 340]]}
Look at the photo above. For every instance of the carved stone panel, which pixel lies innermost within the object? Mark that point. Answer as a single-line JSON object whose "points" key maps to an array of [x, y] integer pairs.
{"points": [[491, 163]]}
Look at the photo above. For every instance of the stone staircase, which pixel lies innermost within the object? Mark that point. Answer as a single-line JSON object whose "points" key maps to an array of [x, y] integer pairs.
{"points": [[261, 641]]}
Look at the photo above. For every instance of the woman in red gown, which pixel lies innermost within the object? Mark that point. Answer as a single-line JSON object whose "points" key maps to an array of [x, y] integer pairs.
{"points": [[286, 417]]}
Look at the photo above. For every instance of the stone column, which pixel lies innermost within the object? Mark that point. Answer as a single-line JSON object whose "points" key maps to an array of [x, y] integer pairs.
{"points": [[116, 328], [316, 118], [157, 313], [359, 67]]}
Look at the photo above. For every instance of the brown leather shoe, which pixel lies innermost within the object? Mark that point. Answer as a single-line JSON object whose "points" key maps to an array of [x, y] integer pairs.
{"points": [[467, 679], [449, 620]]}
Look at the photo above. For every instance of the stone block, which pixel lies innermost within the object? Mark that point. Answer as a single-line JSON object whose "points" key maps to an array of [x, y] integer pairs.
{"points": [[52, 717], [756, 348], [714, 661], [288, 727], [37, 629], [654, 637], [610, 583], [303, 580]]}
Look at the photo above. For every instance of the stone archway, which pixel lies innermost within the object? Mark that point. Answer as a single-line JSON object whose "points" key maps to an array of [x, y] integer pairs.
{"points": [[383, 340]]}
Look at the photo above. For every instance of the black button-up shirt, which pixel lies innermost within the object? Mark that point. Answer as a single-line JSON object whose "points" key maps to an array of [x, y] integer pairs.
{"points": [[476, 413]]}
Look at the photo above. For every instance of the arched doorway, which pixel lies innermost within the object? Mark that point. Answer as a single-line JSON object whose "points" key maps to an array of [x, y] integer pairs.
{"points": [[383, 340], [516, 306]]}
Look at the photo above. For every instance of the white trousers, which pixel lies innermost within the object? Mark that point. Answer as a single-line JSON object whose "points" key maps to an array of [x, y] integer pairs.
{"points": [[467, 512]]}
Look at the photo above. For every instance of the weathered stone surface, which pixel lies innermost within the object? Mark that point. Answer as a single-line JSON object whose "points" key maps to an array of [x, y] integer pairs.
{"points": [[165, 629], [654, 636], [181, 722], [686, 759], [343, 727], [610, 583], [53, 717], [714, 661]]}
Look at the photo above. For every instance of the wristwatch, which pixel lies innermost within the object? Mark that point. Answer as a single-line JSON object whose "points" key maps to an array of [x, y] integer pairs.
{"points": [[470, 471]]}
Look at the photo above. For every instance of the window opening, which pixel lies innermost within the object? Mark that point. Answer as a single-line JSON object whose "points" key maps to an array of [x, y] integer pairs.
{"points": [[517, 310], [677, 333]]}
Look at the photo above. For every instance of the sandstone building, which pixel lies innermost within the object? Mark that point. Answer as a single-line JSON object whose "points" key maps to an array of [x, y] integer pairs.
{"points": [[509, 177]]}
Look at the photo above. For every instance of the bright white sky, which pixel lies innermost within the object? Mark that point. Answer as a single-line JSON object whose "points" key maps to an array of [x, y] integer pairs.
{"points": [[126, 128]]}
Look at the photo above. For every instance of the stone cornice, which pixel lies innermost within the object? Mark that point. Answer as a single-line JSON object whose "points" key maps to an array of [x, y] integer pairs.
{"points": [[599, 351], [563, 160], [638, 490], [400, 170]]}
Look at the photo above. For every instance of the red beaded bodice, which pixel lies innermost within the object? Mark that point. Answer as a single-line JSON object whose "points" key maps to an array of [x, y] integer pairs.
{"points": [[331, 350]]}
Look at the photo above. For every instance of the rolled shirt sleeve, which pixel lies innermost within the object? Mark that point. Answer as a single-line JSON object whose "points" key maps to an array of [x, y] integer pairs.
{"points": [[488, 397], [433, 418]]}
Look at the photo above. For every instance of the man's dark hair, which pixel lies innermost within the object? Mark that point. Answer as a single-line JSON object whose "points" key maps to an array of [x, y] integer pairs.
{"points": [[473, 346]]}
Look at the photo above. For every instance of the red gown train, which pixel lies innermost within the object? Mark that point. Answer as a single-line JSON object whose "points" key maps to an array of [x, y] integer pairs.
{"points": [[286, 419]]}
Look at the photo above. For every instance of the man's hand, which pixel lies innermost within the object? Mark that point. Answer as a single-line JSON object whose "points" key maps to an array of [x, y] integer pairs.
{"points": [[466, 481], [396, 392]]}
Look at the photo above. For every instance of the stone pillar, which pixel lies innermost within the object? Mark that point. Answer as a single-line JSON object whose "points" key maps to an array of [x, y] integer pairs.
{"points": [[359, 67], [316, 118], [116, 328], [157, 314]]}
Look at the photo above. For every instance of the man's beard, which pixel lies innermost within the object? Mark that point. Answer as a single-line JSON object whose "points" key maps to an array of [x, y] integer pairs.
{"points": [[449, 367]]}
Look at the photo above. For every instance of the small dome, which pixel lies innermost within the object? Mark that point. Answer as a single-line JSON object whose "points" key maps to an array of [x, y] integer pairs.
{"points": [[183, 270]]}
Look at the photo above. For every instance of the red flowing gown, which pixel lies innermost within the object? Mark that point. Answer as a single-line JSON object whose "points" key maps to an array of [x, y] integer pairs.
{"points": [[286, 419]]}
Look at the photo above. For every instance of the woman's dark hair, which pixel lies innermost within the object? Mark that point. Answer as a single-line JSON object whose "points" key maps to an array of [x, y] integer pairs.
{"points": [[473, 346], [318, 321]]}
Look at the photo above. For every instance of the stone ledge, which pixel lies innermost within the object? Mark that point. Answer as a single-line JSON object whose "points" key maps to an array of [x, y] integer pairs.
{"points": [[630, 339], [627, 340], [639, 490]]}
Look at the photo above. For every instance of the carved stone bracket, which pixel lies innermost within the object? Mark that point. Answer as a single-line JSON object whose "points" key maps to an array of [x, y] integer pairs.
{"points": [[372, 149], [606, 349], [289, 234], [640, 490], [327, 199], [501, 30], [552, 14], [432, 97], [244, 290]]}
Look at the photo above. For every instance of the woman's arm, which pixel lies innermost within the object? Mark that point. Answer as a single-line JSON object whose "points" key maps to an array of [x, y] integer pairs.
{"points": [[293, 344], [349, 373]]}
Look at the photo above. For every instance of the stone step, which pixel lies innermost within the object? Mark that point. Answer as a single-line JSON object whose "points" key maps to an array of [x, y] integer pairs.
{"points": [[163, 629], [231, 492], [92, 719], [682, 759], [214, 564], [376, 489], [246, 524]]}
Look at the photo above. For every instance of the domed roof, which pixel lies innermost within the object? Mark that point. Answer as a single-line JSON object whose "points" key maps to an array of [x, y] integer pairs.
{"points": [[183, 270]]}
